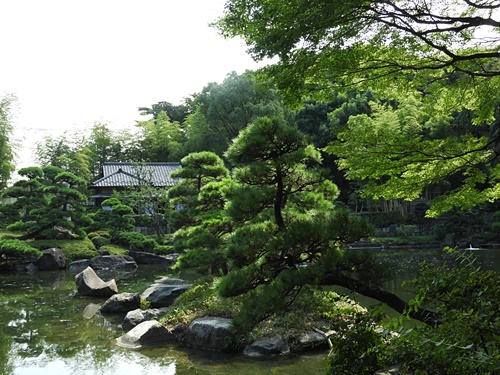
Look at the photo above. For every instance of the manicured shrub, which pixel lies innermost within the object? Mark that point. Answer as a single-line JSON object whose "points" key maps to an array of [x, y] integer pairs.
{"points": [[163, 249], [18, 249], [99, 233], [72, 249], [100, 241], [137, 241]]}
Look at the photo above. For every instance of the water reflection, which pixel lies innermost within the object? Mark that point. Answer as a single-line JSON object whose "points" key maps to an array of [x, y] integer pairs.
{"points": [[81, 364], [46, 327]]}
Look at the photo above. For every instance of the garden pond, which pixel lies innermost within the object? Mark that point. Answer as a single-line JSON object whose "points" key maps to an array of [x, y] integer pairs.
{"points": [[46, 327]]}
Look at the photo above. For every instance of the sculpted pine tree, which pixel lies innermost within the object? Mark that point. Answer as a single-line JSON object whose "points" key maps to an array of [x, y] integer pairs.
{"points": [[47, 198], [287, 228], [201, 223]]}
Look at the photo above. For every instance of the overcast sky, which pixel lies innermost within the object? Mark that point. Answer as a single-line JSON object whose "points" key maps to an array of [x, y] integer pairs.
{"points": [[74, 62]]}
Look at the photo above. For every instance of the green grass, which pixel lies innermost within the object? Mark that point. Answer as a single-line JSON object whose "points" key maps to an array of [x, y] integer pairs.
{"points": [[116, 249], [389, 240]]}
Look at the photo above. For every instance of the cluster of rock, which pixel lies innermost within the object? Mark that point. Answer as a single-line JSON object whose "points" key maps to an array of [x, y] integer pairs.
{"points": [[142, 328], [54, 259]]}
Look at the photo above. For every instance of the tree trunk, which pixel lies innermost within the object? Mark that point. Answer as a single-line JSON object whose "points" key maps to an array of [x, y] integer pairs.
{"points": [[278, 203]]}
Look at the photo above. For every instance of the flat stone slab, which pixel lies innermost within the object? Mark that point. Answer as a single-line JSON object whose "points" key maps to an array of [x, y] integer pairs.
{"points": [[267, 347], [147, 333], [162, 293]]}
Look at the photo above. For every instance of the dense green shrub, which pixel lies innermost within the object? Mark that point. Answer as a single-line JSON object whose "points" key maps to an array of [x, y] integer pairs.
{"points": [[18, 249], [100, 241], [72, 249], [467, 341], [163, 249], [137, 241], [352, 345], [99, 233]]}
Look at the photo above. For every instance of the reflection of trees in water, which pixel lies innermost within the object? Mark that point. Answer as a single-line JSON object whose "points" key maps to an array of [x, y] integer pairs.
{"points": [[43, 323]]}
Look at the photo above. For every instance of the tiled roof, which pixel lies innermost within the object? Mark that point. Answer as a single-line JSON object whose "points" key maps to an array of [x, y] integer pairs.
{"points": [[131, 174]]}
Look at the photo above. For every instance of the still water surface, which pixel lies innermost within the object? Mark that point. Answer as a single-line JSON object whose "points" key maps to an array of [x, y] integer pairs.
{"points": [[46, 327]]}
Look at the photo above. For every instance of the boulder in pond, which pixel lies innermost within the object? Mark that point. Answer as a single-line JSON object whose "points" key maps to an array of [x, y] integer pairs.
{"points": [[137, 316], [113, 262], [51, 259], [164, 291], [121, 303], [267, 347], [147, 333], [211, 333], [89, 284], [142, 257]]}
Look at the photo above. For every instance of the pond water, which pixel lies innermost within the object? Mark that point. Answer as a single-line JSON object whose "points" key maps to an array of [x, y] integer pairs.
{"points": [[46, 327]]}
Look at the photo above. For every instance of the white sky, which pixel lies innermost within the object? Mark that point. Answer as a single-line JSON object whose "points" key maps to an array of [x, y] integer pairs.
{"points": [[74, 62]]}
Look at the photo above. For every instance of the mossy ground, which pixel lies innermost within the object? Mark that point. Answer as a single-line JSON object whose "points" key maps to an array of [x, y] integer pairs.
{"points": [[74, 249], [313, 308]]}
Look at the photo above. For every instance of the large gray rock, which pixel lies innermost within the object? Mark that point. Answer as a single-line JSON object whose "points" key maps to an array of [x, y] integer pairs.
{"points": [[211, 333], [267, 347], [89, 284], [310, 340], [137, 316], [164, 291], [146, 334], [51, 259], [113, 262], [121, 303], [142, 257]]}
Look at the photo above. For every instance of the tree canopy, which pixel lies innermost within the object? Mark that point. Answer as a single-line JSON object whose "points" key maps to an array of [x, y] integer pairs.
{"points": [[406, 154], [389, 45], [44, 199]]}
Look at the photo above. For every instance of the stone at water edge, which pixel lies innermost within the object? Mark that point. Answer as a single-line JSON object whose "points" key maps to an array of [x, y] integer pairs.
{"points": [[121, 303], [211, 333], [267, 347], [51, 259], [147, 333], [163, 295], [137, 316], [89, 284]]}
